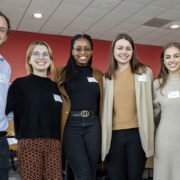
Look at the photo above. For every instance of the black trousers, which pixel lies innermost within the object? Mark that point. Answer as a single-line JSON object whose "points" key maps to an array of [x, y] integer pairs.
{"points": [[82, 146], [126, 159], [4, 158]]}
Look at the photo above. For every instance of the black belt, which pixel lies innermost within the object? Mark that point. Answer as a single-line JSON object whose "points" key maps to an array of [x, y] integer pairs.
{"points": [[3, 133], [83, 113]]}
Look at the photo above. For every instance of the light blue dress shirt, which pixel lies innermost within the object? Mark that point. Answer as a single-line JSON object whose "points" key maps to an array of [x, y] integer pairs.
{"points": [[5, 73]]}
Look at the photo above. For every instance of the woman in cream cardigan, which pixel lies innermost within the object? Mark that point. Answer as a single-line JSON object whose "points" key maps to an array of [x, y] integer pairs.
{"points": [[127, 118]]}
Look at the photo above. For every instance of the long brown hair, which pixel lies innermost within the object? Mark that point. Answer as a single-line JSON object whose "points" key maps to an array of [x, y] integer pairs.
{"points": [[136, 66], [163, 74]]}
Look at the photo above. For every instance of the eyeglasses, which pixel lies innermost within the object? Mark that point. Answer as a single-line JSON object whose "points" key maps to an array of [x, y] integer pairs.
{"points": [[3, 30], [79, 49], [37, 54]]}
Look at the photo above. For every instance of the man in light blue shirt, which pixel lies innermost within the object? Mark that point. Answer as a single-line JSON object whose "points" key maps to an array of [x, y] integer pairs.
{"points": [[5, 72]]}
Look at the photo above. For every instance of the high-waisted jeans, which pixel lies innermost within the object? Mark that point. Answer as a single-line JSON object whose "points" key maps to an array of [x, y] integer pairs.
{"points": [[82, 145], [126, 159]]}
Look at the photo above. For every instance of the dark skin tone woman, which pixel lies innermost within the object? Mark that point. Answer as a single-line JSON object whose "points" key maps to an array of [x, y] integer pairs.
{"points": [[81, 88]]}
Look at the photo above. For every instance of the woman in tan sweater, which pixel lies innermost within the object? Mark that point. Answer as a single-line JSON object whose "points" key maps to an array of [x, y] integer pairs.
{"points": [[127, 119]]}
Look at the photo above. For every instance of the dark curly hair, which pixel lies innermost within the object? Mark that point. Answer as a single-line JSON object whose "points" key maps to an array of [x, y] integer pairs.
{"points": [[70, 71]]}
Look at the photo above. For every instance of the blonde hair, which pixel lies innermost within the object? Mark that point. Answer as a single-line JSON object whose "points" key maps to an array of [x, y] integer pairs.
{"points": [[29, 54]]}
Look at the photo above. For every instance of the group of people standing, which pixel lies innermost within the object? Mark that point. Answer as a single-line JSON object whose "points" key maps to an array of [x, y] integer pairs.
{"points": [[86, 114]]}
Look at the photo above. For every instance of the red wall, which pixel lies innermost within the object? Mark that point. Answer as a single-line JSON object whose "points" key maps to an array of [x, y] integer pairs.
{"points": [[14, 51]]}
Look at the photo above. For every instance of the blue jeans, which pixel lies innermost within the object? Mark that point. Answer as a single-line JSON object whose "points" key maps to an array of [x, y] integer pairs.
{"points": [[126, 159], [4, 158], [82, 146]]}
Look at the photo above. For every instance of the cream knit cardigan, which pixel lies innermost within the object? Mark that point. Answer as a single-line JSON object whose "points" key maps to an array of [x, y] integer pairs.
{"points": [[143, 92]]}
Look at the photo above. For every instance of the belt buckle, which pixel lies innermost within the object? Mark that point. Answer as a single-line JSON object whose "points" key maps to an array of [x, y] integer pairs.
{"points": [[84, 113]]}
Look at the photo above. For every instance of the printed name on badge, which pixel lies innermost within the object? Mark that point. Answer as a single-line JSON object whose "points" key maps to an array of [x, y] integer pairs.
{"points": [[142, 78], [92, 79], [173, 94], [57, 98]]}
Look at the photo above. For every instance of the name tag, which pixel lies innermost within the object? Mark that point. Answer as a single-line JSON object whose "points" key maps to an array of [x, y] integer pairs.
{"points": [[2, 78], [91, 79], [57, 98], [142, 78], [173, 94]]}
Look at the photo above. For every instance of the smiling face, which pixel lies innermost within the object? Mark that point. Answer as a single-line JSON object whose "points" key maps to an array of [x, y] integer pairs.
{"points": [[40, 60], [82, 51], [123, 52], [3, 30], [172, 60]]}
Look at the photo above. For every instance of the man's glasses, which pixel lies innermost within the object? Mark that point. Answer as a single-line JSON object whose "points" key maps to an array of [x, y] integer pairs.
{"points": [[79, 49], [3, 30], [37, 54]]}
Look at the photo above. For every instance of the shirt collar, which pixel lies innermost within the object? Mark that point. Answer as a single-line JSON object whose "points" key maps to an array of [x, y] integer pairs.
{"points": [[1, 58]]}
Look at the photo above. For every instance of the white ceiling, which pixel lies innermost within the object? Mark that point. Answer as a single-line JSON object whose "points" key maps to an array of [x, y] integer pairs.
{"points": [[102, 19]]}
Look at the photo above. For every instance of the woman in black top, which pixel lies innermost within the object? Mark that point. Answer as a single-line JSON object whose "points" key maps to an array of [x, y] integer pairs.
{"points": [[81, 87], [36, 104]]}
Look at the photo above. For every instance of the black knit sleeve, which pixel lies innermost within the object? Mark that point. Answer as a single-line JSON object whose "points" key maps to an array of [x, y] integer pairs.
{"points": [[12, 98]]}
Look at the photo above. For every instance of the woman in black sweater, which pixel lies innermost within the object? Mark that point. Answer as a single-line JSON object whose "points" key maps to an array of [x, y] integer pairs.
{"points": [[81, 86], [36, 104]]}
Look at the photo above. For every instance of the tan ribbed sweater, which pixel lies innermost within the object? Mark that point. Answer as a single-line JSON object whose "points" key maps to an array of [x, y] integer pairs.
{"points": [[125, 115]]}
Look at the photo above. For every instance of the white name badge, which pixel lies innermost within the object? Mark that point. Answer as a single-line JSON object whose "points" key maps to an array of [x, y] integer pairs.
{"points": [[173, 94], [57, 98], [142, 78], [2, 78], [91, 79]]}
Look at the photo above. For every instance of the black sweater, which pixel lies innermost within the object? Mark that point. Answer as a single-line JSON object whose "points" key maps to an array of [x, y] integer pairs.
{"points": [[36, 104], [84, 91]]}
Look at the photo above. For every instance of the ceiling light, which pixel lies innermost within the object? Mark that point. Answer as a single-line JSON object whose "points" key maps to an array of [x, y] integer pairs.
{"points": [[37, 15], [174, 26]]}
